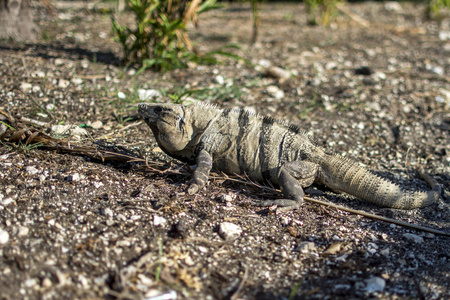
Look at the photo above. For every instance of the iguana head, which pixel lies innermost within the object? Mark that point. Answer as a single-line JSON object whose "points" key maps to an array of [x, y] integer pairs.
{"points": [[170, 123]]}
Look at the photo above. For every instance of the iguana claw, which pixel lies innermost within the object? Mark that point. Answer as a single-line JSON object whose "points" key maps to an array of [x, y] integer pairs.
{"points": [[192, 189]]}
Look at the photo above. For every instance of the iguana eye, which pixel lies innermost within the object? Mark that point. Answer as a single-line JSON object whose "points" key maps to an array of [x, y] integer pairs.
{"points": [[158, 109]]}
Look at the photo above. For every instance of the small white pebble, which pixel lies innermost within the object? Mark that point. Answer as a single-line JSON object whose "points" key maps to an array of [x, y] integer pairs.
{"points": [[229, 231], [158, 221], [4, 237], [31, 170], [23, 231]]}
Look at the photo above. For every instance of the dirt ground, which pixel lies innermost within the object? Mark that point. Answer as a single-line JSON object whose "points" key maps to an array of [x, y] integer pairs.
{"points": [[376, 89]]}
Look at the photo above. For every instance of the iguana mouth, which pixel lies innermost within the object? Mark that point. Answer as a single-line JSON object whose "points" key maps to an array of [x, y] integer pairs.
{"points": [[152, 113], [146, 113]]}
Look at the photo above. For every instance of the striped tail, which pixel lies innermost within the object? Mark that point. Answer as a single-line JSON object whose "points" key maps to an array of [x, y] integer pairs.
{"points": [[345, 175]]}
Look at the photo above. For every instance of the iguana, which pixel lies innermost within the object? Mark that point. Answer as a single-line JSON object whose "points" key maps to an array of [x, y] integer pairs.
{"points": [[235, 141]]}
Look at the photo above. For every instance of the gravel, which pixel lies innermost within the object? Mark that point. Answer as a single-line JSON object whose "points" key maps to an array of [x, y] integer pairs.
{"points": [[76, 228]]}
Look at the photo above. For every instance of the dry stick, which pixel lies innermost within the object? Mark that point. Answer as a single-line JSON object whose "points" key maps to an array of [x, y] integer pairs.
{"points": [[353, 16], [129, 126], [149, 210], [34, 122], [241, 284], [376, 217]]}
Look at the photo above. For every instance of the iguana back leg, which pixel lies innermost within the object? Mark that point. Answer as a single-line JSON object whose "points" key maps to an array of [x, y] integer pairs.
{"points": [[201, 173], [292, 178]]}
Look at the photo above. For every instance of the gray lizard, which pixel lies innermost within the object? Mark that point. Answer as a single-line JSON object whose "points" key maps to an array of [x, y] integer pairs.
{"points": [[238, 142]]}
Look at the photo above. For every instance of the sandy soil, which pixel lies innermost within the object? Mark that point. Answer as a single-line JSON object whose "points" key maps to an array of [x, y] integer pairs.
{"points": [[76, 228]]}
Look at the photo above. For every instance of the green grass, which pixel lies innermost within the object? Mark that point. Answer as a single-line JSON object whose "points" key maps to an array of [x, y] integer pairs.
{"points": [[435, 8], [159, 39]]}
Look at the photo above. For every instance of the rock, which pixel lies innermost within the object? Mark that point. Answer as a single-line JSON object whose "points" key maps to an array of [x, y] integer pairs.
{"points": [[219, 79], [364, 70], [315, 81], [4, 237], [121, 217], [202, 249], [77, 81], [154, 294], [333, 249], [331, 65], [326, 103], [148, 94], [377, 76], [285, 221], [147, 281], [179, 230], [444, 35], [59, 62], [225, 198], [275, 92], [7, 201], [392, 6], [31, 170], [107, 212], [371, 52], [83, 281], [73, 177], [435, 69], [375, 106], [123, 243], [46, 283], [385, 252], [445, 97], [30, 283], [25, 86], [121, 95], [229, 231], [72, 130], [22, 231], [97, 124], [40, 74], [278, 73], [159, 221], [342, 287], [413, 237], [2, 127], [264, 63], [50, 106], [306, 247], [62, 83], [375, 284], [447, 47], [407, 109], [85, 64]]}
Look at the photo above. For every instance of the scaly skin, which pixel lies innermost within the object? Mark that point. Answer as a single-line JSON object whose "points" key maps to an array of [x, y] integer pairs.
{"points": [[238, 142]]}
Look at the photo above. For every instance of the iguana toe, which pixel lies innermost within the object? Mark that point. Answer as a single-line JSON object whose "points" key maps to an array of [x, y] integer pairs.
{"points": [[283, 204], [192, 189]]}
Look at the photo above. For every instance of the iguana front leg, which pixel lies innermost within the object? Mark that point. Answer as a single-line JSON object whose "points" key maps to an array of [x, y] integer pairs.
{"points": [[292, 177], [201, 173]]}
